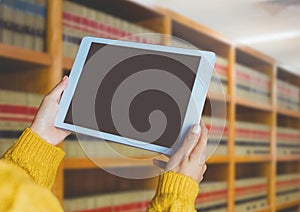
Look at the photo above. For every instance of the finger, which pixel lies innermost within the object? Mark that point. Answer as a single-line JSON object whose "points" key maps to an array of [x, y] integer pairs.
{"points": [[190, 141], [159, 163], [199, 151], [58, 89], [186, 147]]}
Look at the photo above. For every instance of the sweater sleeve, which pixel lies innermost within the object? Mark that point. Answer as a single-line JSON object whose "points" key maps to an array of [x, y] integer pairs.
{"points": [[36, 157], [175, 192]]}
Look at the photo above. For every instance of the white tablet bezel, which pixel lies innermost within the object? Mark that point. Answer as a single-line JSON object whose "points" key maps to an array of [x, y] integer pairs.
{"points": [[192, 116]]}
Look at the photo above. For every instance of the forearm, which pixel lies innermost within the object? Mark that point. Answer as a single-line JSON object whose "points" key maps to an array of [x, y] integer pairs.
{"points": [[36, 157], [175, 192]]}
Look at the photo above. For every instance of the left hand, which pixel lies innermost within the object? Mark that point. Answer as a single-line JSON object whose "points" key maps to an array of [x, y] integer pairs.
{"points": [[43, 123]]}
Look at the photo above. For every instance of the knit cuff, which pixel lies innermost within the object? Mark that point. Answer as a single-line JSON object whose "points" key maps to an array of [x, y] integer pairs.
{"points": [[36, 157], [178, 185]]}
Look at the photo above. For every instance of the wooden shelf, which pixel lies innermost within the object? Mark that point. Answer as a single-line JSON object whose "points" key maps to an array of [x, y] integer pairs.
{"points": [[15, 57], [289, 113], [218, 159], [253, 105], [252, 56], [288, 158], [252, 159], [86, 163], [288, 205]]}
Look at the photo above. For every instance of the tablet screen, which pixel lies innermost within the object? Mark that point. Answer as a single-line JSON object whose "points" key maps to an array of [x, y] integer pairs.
{"points": [[135, 93]]}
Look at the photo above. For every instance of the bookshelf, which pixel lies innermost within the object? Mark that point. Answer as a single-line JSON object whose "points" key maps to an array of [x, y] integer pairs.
{"points": [[37, 72]]}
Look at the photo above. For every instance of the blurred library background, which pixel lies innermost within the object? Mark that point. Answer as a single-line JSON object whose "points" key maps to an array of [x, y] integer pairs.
{"points": [[256, 166]]}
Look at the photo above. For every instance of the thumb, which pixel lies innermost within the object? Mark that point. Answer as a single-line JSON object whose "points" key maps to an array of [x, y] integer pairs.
{"points": [[59, 88]]}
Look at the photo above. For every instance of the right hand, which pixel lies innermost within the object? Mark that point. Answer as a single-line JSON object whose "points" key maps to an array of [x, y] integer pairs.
{"points": [[43, 123], [189, 160]]}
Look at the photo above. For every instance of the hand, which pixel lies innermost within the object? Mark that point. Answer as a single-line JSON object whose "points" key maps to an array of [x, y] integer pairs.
{"points": [[43, 123], [189, 160]]}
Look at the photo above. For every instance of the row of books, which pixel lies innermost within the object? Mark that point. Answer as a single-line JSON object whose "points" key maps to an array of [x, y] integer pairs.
{"points": [[288, 96], [22, 23], [252, 138], [251, 194], [252, 84], [78, 147], [17, 110], [129, 201], [79, 21], [288, 141], [212, 197], [217, 136], [287, 188]]}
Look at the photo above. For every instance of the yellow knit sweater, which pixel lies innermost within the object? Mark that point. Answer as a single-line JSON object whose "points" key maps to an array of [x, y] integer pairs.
{"points": [[28, 171]]}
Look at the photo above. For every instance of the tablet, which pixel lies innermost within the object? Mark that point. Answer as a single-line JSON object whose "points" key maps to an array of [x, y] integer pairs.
{"points": [[142, 95]]}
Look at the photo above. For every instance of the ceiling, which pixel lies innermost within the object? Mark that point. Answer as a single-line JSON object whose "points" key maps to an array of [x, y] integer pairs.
{"points": [[270, 26]]}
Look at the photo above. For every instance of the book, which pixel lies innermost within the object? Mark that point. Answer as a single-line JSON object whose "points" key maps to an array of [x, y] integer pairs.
{"points": [[40, 25], [19, 23], [7, 17], [29, 20]]}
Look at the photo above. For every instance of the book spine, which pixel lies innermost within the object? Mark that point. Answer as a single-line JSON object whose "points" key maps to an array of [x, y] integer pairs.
{"points": [[29, 19], [8, 21], [19, 21], [40, 25]]}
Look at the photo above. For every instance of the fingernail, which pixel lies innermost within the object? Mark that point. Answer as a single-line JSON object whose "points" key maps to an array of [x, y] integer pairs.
{"points": [[65, 77], [196, 129]]}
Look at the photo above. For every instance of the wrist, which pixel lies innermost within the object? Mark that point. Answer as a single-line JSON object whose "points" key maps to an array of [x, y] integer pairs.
{"points": [[41, 134]]}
